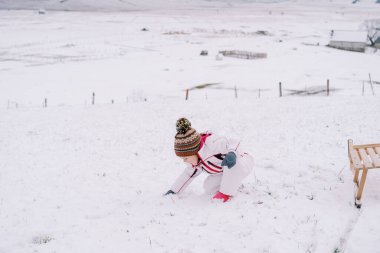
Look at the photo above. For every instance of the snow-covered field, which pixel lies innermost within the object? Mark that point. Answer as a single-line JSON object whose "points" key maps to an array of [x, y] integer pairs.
{"points": [[76, 177]]}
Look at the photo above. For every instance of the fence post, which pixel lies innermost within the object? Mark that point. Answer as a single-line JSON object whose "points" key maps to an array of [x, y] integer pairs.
{"points": [[93, 98], [236, 95], [45, 102], [187, 94], [370, 81], [363, 89], [328, 87], [112, 101], [280, 89], [259, 92]]}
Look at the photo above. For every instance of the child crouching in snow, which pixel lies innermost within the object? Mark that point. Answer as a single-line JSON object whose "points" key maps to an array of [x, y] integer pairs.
{"points": [[220, 157]]}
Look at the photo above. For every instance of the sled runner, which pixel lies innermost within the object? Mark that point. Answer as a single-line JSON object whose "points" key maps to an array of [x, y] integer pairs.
{"points": [[362, 158]]}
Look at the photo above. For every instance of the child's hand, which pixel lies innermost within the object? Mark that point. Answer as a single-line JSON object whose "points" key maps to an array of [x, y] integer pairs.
{"points": [[169, 193], [229, 160]]}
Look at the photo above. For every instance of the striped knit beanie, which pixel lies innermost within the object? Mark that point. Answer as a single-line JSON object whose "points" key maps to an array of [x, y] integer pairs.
{"points": [[187, 140]]}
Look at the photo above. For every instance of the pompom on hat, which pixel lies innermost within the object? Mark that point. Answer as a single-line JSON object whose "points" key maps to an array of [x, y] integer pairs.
{"points": [[187, 141]]}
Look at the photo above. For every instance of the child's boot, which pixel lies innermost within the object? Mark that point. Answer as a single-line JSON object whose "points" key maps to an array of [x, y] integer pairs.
{"points": [[221, 196]]}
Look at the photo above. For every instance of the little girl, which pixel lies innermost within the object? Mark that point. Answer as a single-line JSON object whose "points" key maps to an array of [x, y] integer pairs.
{"points": [[220, 157]]}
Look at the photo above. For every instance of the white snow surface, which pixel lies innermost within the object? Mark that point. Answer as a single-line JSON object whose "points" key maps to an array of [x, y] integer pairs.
{"points": [[76, 177], [133, 5], [122, 5]]}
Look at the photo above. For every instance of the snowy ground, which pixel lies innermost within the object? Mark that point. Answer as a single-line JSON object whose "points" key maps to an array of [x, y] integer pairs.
{"points": [[81, 178], [64, 57], [91, 178]]}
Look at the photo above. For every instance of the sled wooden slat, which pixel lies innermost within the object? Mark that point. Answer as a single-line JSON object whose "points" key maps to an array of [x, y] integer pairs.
{"points": [[367, 146], [355, 159], [377, 150], [374, 157], [362, 158]]}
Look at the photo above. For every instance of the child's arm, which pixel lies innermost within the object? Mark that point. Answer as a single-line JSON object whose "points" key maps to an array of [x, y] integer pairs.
{"points": [[185, 179], [223, 145], [228, 147]]}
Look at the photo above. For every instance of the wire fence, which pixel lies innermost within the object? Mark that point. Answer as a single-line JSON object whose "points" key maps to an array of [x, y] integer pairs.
{"points": [[215, 91]]}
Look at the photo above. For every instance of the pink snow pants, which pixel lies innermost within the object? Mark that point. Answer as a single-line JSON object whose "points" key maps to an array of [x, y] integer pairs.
{"points": [[229, 181]]}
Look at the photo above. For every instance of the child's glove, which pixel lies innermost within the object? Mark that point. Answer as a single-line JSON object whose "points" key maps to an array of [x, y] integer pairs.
{"points": [[169, 192], [229, 160], [221, 196]]}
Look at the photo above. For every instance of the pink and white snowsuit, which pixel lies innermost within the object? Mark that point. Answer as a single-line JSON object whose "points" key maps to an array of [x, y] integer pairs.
{"points": [[211, 154]]}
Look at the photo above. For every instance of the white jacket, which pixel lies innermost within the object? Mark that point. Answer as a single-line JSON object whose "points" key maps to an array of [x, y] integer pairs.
{"points": [[211, 154]]}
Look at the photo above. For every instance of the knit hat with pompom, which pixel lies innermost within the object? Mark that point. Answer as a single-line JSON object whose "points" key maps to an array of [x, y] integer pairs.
{"points": [[187, 140]]}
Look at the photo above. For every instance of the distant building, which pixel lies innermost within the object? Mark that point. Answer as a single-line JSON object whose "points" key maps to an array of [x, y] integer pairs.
{"points": [[377, 42], [349, 40]]}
